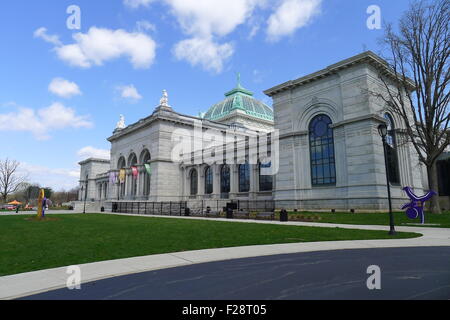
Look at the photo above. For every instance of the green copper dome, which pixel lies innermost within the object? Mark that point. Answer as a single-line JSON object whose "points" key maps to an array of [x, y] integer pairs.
{"points": [[239, 99]]}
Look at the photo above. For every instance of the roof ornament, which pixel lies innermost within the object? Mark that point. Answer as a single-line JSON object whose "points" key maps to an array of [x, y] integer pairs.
{"points": [[164, 102], [121, 124], [239, 79]]}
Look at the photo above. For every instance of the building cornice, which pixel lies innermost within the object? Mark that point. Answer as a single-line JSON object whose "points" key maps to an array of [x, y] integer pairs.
{"points": [[94, 160], [365, 57]]}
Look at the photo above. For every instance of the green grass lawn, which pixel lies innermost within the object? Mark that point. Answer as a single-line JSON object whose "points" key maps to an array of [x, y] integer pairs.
{"points": [[77, 239], [400, 218]]}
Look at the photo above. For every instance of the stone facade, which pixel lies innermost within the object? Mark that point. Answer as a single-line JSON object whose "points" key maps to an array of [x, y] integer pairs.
{"points": [[340, 92], [343, 93]]}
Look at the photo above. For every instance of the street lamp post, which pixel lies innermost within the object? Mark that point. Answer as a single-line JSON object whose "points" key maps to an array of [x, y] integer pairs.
{"points": [[382, 130], [85, 196]]}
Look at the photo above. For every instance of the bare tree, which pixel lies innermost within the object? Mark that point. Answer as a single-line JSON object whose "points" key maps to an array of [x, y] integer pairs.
{"points": [[419, 58], [10, 179]]}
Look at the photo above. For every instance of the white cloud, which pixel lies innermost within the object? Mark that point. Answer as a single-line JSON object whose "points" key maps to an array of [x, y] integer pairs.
{"points": [[91, 152], [42, 121], [129, 92], [204, 52], [55, 178], [42, 33], [203, 20], [134, 4], [290, 16], [144, 25], [100, 45], [64, 88]]}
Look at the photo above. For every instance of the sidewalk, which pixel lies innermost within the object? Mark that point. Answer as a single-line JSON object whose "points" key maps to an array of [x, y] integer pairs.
{"points": [[25, 284]]}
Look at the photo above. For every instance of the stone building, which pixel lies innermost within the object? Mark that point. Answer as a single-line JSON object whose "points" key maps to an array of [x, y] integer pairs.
{"points": [[319, 148]]}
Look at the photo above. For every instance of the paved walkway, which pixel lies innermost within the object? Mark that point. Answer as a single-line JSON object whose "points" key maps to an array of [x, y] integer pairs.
{"points": [[25, 284]]}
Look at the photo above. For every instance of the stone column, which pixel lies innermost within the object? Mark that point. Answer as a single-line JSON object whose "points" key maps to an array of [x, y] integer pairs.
{"points": [[201, 181], [127, 184], [99, 191], [254, 181], [234, 180], [140, 182], [216, 181]]}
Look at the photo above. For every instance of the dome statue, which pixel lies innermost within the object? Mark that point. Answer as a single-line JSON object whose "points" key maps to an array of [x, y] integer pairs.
{"points": [[121, 124]]}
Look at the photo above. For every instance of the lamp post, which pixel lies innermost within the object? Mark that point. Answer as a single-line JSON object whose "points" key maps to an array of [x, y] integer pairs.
{"points": [[383, 130], [85, 195]]}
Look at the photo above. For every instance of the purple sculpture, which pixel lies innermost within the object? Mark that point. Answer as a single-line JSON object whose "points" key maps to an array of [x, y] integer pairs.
{"points": [[415, 207], [45, 204]]}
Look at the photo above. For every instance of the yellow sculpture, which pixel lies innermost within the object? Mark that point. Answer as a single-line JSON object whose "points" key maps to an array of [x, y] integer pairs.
{"points": [[40, 211]]}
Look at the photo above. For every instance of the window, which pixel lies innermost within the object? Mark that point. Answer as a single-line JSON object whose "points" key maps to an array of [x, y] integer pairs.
{"points": [[244, 177], [391, 151], [194, 182], [265, 178], [321, 144], [225, 179], [208, 180]]}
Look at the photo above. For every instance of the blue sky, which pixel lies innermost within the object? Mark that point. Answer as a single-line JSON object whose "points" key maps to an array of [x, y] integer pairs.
{"points": [[62, 90]]}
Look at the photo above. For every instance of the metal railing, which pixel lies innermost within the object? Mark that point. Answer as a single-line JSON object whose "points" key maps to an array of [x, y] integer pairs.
{"points": [[196, 207]]}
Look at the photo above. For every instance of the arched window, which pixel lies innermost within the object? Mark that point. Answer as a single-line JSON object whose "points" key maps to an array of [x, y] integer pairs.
{"points": [[132, 162], [244, 177], [321, 144], [194, 182], [208, 181], [265, 177], [391, 151], [225, 179]]}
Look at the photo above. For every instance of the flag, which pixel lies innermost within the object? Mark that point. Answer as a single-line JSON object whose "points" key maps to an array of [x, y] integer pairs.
{"points": [[122, 175], [112, 177], [135, 171], [148, 168]]}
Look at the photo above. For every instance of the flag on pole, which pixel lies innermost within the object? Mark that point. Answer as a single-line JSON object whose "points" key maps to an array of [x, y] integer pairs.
{"points": [[112, 177], [148, 168], [135, 171], [122, 175]]}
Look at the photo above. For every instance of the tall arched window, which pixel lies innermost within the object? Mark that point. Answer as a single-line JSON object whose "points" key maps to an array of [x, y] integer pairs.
{"points": [[225, 179], [208, 180], [321, 144], [265, 177], [244, 177], [194, 182], [391, 151], [132, 162]]}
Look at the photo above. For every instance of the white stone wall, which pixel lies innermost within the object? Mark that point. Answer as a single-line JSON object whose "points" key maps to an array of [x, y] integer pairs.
{"points": [[360, 170], [90, 169]]}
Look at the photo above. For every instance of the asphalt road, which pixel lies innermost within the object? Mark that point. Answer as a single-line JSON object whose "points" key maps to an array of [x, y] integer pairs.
{"points": [[406, 273]]}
